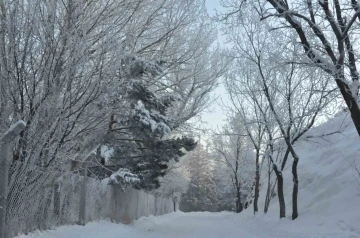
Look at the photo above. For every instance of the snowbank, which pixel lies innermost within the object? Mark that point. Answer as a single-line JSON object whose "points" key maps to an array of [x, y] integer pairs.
{"points": [[329, 195]]}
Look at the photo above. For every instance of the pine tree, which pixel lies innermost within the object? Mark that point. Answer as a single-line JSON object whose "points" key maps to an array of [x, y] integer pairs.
{"points": [[137, 138]]}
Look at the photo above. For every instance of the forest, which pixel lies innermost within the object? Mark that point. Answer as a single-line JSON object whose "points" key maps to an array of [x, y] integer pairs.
{"points": [[121, 91]]}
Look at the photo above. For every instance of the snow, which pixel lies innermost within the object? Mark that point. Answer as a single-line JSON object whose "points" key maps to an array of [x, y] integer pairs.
{"points": [[13, 131], [192, 225], [16, 124], [106, 153], [202, 224], [328, 201], [328, 192], [146, 119], [123, 176]]}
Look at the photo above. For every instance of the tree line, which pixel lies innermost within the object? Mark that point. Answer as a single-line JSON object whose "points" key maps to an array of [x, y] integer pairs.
{"points": [[293, 65], [114, 83]]}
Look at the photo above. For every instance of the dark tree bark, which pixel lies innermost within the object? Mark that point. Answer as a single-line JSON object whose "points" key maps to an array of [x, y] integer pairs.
{"points": [[280, 190], [289, 147], [350, 101], [280, 185], [267, 198], [57, 200], [295, 189], [285, 159], [239, 206], [344, 47], [257, 182]]}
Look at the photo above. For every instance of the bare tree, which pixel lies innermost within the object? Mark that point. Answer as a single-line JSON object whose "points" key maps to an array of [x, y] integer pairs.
{"points": [[327, 33], [295, 95], [249, 118], [233, 150], [62, 68]]}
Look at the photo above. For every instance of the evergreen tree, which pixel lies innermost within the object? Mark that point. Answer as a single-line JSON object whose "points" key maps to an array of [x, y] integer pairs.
{"points": [[140, 150]]}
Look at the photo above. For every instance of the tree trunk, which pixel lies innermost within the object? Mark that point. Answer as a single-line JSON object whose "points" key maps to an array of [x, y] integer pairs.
{"points": [[295, 178], [57, 204], [295, 189], [268, 193], [285, 159], [267, 199], [280, 190], [351, 102], [238, 201], [272, 193], [257, 182]]}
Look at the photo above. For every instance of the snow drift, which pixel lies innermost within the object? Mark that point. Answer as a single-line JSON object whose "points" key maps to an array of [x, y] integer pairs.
{"points": [[329, 194]]}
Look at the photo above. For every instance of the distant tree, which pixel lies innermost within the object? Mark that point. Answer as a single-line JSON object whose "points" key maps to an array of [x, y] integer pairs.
{"points": [[200, 195], [175, 182], [247, 119], [224, 188], [233, 149]]}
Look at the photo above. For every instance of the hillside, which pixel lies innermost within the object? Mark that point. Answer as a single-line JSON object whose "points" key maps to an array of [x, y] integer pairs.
{"points": [[329, 195]]}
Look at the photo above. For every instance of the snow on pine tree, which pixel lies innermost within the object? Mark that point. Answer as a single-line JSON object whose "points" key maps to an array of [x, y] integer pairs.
{"points": [[117, 71], [200, 195], [138, 131]]}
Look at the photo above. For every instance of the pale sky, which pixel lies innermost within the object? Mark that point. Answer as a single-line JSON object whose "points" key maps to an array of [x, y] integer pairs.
{"points": [[216, 116], [211, 5]]}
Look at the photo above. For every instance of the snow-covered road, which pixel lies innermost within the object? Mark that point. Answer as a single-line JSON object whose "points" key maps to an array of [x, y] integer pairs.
{"points": [[207, 225]]}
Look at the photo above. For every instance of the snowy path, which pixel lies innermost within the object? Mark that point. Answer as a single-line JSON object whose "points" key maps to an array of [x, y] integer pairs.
{"points": [[198, 225]]}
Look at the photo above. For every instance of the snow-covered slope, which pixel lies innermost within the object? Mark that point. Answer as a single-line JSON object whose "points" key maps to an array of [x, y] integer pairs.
{"points": [[329, 195]]}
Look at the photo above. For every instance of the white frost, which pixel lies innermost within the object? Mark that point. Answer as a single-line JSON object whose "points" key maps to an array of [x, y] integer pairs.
{"points": [[145, 118], [19, 124], [106, 152], [123, 177]]}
